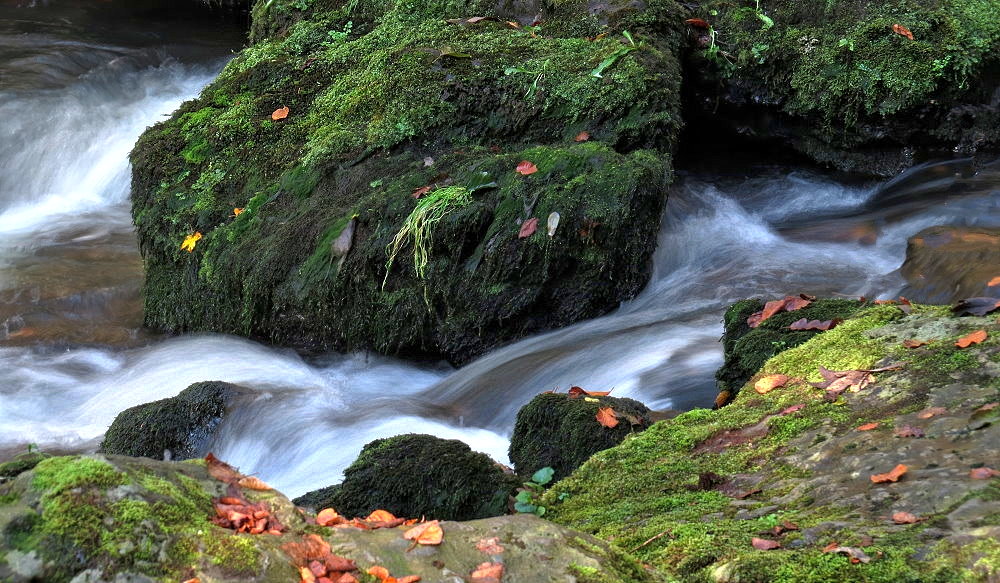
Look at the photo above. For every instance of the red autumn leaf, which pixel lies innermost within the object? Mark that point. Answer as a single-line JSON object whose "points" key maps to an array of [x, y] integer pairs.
{"points": [[607, 417], [892, 475], [905, 518], [427, 533], [976, 306], [582, 137], [419, 192], [770, 382], [971, 338], [525, 168], [931, 412], [698, 23], [983, 473], [867, 426], [993, 282], [576, 391], [788, 304], [528, 228], [914, 343], [220, 470], [908, 431], [490, 546], [902, 31], [763, 544], [792, 409], [280, 113], [487, 573]]}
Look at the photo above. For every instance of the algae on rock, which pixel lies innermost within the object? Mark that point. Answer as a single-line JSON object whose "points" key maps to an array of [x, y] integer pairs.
{"points": [[381, 106]]}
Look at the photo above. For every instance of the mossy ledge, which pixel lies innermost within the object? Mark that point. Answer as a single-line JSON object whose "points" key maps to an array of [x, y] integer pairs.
{"points": [[384, 99], [840, 82], [688, 494]]}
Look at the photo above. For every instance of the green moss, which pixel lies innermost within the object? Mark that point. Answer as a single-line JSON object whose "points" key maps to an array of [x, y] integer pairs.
{"points": [[238, 553]]}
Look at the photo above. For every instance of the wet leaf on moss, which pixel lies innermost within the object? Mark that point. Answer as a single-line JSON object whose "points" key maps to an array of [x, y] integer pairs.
{"points": [[763, 544], [607, 417], [787, 304], [804, 324], [892, 475], [190, 241], [582, 137], [902, 31], [770, 382], [280, 113], [971, 338], [855, 554], [528, 228], [525, 168], [914, 343], [698, 23]]}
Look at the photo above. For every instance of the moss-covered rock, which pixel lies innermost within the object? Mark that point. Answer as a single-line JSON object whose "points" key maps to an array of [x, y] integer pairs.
{"points": [[561, 432], [419, 475], [19, 464], [111, 518], [746, 349], [690, 494], [839, 83], [178, 427], [329, 249]]}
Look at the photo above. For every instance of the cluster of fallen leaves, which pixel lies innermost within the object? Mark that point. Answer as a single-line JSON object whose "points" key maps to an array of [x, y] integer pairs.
{"points": [[836, 382], [317, 563], [235, 512], [786, 304]]}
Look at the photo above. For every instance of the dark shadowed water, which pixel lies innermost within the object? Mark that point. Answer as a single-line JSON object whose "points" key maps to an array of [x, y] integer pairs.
{"points": [[75, 93]]}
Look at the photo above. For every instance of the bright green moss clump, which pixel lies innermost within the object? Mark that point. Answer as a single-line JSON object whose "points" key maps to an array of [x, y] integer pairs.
{"points": [[383, 101]]}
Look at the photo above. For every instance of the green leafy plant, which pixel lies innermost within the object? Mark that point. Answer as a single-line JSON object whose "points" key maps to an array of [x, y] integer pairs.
{"points": [[528, 496], [611, 59], [533, 88], [419, 226]]}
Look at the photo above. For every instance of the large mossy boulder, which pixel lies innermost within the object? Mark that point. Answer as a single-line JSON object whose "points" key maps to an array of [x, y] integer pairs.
{"points": [[562, 431], [385, 210], [176, 428], [92, 519], [791, 467], [419, 475], [845, 83], [946, 264], [746, 349]]}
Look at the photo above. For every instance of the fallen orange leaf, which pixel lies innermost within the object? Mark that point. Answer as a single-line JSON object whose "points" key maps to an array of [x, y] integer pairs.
{"points": [[931, 412], [576, 391], [381, 516], [770, 382], [194, 580], [993, 282], [490, 546], [329, 517], [307, 575], [237, 212], [891, 476], [607, 417], [427, 533], [914, 343], [698, 23], [408, 579], [905, 518], [983, 473], [487, 573], [902, 31], [190, 241], [253, 483], [582, 137], [525, 168], [971, 338], [867, 426], [379, 572], [280, 113]]}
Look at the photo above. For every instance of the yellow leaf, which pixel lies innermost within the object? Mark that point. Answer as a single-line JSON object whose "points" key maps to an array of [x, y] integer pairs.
{"points": [[237, 212], [591, 400], [190, 241]]}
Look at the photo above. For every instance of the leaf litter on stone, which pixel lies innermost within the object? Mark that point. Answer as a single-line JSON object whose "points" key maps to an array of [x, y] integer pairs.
{"points": [[892, 475], [979, 306], [983, 473], [908, 431], [931, 412], [855, 554], [426, 533], [487, 573], [867, 426], [905, 518]]}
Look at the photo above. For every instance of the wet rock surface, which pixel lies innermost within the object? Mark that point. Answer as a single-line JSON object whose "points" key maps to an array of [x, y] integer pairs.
{"points": [[947, 264]]}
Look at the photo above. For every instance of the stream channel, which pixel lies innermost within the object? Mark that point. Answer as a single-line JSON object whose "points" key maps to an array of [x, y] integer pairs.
{"points": [[79, 82]]}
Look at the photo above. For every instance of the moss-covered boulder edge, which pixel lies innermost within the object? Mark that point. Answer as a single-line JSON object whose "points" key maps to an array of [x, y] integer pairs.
{"points": [[843, 82], [103, 518], [387, 98], [688, 495]]}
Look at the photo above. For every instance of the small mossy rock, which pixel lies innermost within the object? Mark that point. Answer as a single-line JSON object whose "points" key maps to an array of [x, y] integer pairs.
{"points": [[417, 475], [20, 463], [114, 519], [385, 99], [558, 431], [746, 349], [181, 425], [947, 264], [804, 480], [840, 82]]}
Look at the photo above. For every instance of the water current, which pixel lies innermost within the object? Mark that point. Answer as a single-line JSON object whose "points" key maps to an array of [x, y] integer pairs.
{"points": [[75, 93]]}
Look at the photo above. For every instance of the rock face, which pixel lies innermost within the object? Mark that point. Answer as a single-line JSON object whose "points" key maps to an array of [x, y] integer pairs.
{"points": [[947, 264], [867, 86], [419, 475], [798, 468], [562, 432], [111, 518], [182, 425], [407, 130]]}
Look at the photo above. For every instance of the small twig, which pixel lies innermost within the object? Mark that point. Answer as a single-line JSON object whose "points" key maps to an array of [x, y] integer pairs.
{"points": [[650, 539]]}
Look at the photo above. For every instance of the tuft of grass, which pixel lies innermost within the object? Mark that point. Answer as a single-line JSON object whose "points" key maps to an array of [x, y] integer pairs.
{"points": [[419, 226]]}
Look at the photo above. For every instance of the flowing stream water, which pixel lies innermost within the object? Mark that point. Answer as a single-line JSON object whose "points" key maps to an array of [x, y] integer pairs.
{"points": [[75, 96]]}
